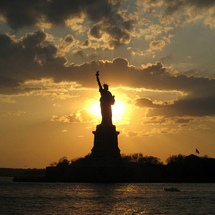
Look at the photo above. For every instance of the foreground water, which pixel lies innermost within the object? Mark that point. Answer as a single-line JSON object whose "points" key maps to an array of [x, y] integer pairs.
{"points": [[116, 198]]}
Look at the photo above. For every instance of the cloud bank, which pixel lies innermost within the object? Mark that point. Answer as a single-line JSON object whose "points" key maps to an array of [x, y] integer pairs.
{"points": [[111, 25], [33, 57]]}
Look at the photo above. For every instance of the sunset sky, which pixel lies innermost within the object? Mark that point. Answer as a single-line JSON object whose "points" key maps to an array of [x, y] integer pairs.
{"points": [[157, 56]]}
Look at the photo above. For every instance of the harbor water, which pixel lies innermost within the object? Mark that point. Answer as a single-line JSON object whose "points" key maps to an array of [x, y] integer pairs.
{"points": [[99, 198]]}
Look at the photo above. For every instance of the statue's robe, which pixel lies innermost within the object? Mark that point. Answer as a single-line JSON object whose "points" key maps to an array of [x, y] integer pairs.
{"points": [[106, 101]]}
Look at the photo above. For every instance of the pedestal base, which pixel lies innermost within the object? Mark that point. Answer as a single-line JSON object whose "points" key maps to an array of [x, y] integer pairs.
{"points": [[105, 149]]}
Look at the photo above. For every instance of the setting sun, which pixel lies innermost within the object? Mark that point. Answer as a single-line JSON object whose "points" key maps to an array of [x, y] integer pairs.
{"points": [[118, 109]]}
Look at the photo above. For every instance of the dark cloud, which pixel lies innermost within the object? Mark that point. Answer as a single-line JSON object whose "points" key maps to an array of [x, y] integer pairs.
{"points": [[116, 35], [19, 14], [191, 6], [33, 58], [33, 40], [67, 43], [187, 107], [68, 40], [79, 53], [155, 120], [128, 25], [199, 101], [145, 102], [157, 44], [191, 72], [175, 5], [96, 32], [182, 120], [96, 10], [86, 43], [26, 59], [29, 59]]}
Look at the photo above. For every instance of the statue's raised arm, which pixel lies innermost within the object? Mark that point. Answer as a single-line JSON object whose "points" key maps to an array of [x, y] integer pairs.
{"points": [[97, 78]]}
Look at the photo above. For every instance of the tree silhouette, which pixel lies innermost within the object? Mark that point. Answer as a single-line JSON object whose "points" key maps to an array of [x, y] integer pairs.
{"points": [[63, 162]]}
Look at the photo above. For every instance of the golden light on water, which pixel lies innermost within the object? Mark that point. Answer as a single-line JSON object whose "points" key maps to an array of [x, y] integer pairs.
{"points": [[118, 110]]}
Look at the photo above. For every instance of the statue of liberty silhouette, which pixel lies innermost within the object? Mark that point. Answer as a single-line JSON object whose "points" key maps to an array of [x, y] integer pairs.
{"points": [[106, 101]]}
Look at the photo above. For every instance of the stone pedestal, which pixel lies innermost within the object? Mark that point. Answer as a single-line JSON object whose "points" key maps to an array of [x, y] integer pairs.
{"points": [[105, 149]]}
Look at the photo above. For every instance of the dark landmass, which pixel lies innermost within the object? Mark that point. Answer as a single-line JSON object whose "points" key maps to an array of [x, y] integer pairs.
{"points": [[22, 173], [11, 172], [129, 168]]}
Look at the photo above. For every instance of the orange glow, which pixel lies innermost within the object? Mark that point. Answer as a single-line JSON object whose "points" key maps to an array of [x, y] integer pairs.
{"points": [[118, 110]]}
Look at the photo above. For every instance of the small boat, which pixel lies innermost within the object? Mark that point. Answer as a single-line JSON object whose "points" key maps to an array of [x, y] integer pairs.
{"points": [[173, 189]]}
